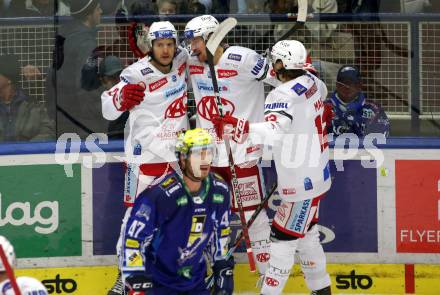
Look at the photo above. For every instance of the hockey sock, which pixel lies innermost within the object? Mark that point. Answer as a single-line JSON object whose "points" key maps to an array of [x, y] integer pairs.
{"points": [[282, 255], [259, 234], [313, 260]]}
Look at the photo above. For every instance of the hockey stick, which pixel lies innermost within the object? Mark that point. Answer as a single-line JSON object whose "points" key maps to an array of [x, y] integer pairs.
{"points": [[212, 45], [252, 219], [300, 21], [9, 272]]}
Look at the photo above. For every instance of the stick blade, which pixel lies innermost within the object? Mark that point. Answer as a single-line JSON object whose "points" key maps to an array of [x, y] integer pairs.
{"points": [[224, 28], [302, 11]]}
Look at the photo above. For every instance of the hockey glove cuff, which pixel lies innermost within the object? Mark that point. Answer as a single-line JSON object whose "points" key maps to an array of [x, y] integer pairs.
{"points": [[223, 276], [138, 282]]}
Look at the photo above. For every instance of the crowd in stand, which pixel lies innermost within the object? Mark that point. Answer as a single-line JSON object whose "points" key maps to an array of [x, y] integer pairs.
{"points": [[73, 85], [32, 8]]}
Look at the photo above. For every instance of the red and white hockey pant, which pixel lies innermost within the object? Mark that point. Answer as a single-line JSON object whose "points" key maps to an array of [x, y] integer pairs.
{"points": [[251, 188]]}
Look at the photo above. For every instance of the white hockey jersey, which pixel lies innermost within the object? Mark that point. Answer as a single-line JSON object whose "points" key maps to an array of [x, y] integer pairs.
{"points": [[295, 128], [27, 286], [155, 122], [240, 74]]}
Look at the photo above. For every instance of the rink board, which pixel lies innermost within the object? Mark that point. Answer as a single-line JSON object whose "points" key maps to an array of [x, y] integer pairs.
{"points": [[346, 279], [69, 208]]}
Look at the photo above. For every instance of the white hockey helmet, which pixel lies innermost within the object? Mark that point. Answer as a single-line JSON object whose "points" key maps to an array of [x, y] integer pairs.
{"points": [[201, 26], [9, 252], [161, 30], [292, 54]]}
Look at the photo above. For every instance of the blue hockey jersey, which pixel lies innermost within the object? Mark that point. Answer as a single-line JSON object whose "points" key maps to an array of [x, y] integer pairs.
{"points": [[169, 229], [359, 117]]}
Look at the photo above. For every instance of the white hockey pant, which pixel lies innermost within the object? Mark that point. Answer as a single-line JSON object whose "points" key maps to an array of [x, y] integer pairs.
{"points": [[282, 256], [259, 235], [313, 261]]}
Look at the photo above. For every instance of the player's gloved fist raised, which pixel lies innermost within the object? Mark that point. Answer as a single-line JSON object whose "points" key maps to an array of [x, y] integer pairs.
{"points": [[239, 130], [131, 95]]}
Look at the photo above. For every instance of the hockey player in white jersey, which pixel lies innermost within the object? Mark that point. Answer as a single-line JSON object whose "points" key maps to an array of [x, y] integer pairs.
{"points": [[26, 285], [295, 127], [154, 90], [240, 74]]}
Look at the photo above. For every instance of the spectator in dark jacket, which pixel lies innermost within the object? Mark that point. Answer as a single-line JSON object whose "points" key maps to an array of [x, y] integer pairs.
{"points": [[109, 70], [21, 118], [75, 90], [352, 113], [34, 8]]}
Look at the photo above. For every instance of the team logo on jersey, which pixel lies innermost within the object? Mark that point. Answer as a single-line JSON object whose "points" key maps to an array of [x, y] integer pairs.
{"points": [[174, 78], [207, 107], [234, 56], [289, 191], [270, 117], [203, 86], [309, 93], [276, 105], [299, 89], [159, 83], [221, 73], [182, 201], [177, 108], [281, 212], [144, 212], [168, 182], [196, 70], [131, 243], [217, 198], [272, 282], [134, 258], [253, 148], [181, 69], [308, 185], [257, 68], [263, 257], [175, 91], [197, 226], [146, 71]]}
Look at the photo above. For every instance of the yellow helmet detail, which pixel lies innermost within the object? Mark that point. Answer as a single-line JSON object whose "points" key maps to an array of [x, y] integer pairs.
{"points": [[193, 139]]}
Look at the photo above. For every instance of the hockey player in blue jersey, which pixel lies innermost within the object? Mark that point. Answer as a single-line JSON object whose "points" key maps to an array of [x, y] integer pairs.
{"points": [[352, 113], [174, 223]]}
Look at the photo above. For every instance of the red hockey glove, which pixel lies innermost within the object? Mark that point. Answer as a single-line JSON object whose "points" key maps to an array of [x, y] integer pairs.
{"points": [[131, 95], [328, 114], [240, 127], [132, 40], [310, 68]]}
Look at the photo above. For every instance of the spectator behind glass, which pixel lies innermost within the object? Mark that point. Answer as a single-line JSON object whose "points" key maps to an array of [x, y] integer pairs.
{"points": [[352, 114], [75, 91], [200, 6], [21, 118], [166, 7], [109, 70], [34, 8]]}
